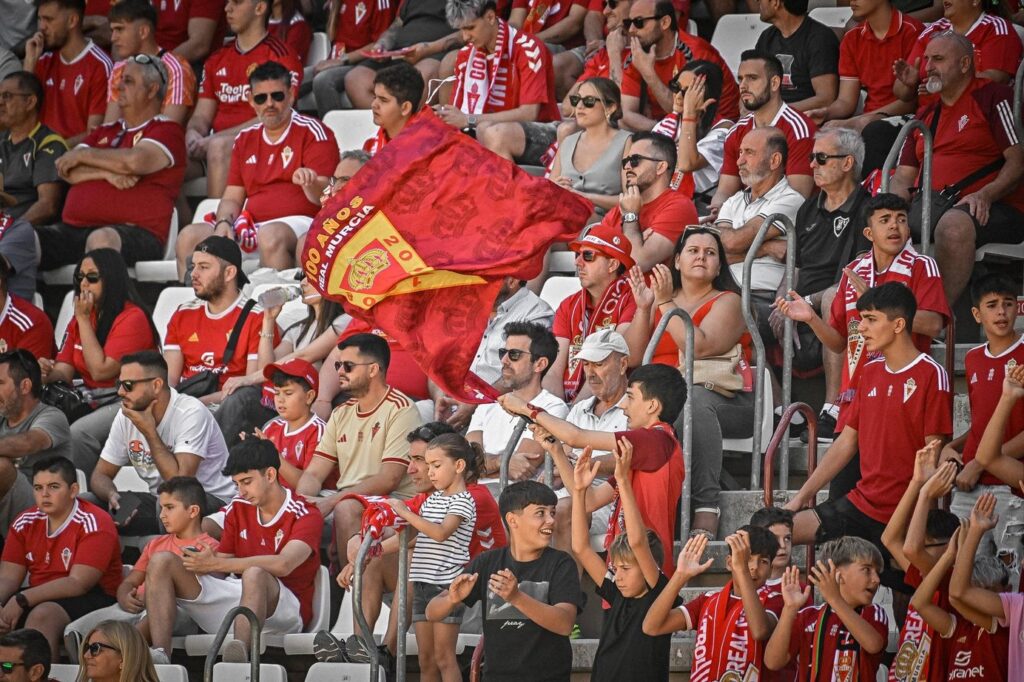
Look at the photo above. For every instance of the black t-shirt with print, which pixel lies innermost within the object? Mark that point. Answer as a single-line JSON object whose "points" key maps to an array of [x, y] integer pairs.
{"points": [[812, 50]]}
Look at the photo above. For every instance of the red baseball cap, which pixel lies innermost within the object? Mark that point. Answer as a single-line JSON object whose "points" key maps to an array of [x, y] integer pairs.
{"points": [[296, 367], [608, 241]]}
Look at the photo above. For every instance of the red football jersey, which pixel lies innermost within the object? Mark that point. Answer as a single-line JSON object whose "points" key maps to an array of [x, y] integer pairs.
{"points": [[296, 34], [865, 58], [667, 215], [22, 325], [150, 203], [688, 48], [246, 535], [130, 333], [226, 78], [978, 654], [489, 531], [173, 17], [996, 45], [404, 374], [599, 65], [87, 537], [264, 168], [518, 73], [542, 14], [724, 643], [360, 23], [921, 652], [799, 132], [201, 338], [840, 657], [74, 90], [893, 412], [985, 373], [971, 133], [297, 447]]}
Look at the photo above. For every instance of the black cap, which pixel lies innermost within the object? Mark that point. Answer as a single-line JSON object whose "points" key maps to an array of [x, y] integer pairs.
{"points": [[227, 250]]}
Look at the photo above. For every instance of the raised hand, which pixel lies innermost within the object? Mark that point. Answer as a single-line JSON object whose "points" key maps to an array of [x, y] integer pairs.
{"points": [[623, 459], [585, 471], [823, 577], [662, 284], [907, 73], [856, 281], [983, 516], [941, 482], [793, 595], [504, 584], [689, 565], [461, 587], [739, 547], [642, 294], [924, 462], [1013, 384], [796, 309]]}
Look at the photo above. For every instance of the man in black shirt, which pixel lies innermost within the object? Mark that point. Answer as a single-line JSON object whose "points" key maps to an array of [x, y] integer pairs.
{"points": [[808, 50], [829, 234]]}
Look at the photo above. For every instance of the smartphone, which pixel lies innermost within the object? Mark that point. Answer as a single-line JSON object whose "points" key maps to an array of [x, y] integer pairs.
{"points": [[128, 504]]}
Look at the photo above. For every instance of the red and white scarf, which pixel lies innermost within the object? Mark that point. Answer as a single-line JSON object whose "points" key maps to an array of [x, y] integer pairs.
{"points": [[724, 642], [538, 15], [486, 78], [376, 143]]}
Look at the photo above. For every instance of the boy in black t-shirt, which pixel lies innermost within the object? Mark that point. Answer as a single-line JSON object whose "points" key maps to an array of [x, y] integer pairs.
{"points": [[531, 595], [625, 652]]}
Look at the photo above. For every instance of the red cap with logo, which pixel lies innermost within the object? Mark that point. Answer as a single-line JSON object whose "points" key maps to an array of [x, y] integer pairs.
{"points": [[608, 241], [296, 367]]}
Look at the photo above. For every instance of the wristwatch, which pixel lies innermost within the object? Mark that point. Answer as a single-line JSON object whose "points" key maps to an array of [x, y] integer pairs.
{"points": [[471, 120], [630, 217], [534, 411], [22, 601]]}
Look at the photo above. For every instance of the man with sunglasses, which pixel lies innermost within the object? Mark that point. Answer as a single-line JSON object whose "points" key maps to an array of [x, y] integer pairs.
{"points": [[133, 32], [162, 434], [262, 178], [125, 177], [24, 656]]}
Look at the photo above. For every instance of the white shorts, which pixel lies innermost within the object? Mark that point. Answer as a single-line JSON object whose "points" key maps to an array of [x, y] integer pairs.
{"points": [[219, 595], [299, 223]]}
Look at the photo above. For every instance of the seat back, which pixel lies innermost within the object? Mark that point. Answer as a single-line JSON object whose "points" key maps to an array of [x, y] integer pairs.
{"points": [[342, 672], [171, 673], [833, 17], [127, 478], [351, 127], [767, 424], [735, 33], [63, 672], [172, 236], [239, 672], [205, 206], [67, 311], [321, 601], [345, 625], [169, 300], [557, 289], [319, 48]]}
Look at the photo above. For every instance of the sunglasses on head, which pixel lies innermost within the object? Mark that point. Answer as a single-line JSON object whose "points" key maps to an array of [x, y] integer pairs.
{"points": [[90, 277], [588, 101], [423, 433], [129, 384], [276, 95], [637, 23], [512, 353], [821, 158], [348, 365], [151, 61], [702, 229], [676, 88], [635, 159], [94, 648]]}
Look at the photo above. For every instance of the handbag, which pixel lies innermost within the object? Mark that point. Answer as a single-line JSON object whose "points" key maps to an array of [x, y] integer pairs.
{"points": [[208, 381], [720, 373], [947, 197], [75, 403]]}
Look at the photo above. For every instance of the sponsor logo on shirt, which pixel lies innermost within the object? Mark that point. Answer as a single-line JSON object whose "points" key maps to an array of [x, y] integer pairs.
{"points": [[207, 358], [231, 94], [222, 72], [244, 534], [251, 161]]}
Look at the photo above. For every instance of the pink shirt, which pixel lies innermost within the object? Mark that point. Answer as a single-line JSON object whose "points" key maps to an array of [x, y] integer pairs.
{"points": [[173, 544], [1013, 608]]}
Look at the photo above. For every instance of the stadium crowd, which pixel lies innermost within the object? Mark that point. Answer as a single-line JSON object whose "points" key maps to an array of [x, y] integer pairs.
{"points": [[265, 447]]}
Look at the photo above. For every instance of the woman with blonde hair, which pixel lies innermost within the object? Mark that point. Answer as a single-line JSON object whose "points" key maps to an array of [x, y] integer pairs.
{"points": [[115, 651]]}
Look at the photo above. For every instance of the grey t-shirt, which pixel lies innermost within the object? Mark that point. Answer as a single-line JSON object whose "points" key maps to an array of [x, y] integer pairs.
{"points": [[48, 419], [19, 22]]}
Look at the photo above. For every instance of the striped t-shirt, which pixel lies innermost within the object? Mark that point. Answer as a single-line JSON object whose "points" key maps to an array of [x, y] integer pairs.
{"points": [[438, 563]]}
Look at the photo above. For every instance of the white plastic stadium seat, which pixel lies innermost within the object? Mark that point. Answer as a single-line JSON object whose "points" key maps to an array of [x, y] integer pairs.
{"points": [[556, 289], [767, 423], [735, 33], [165, 269], [815, 4], [67, 311], [318, 49], [239, 672], [171, 673], [301, 644], [352, 127], [37, 300], [169, 300], [63, 672], [342, 672], [833, 17], [562, 261]]}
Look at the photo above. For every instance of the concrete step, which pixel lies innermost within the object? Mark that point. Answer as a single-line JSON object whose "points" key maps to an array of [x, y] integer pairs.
{"points": [[680, 656], [738, 505]]}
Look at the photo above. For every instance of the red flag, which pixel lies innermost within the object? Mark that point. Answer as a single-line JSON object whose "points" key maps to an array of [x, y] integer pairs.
{"points": [[418, 241]]}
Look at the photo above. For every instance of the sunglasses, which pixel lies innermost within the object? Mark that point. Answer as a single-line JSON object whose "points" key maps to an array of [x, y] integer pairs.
{"points": [[94, 648], [423, 433], [611, 4], [821, 158], [676, 88], [702, 229], [7, 667], [589, 101], [276, 95], [512, 353], [129, 384], [637, 23], [90, 277], [152, 61], [348, 365], [588, 256], [635, 159]]}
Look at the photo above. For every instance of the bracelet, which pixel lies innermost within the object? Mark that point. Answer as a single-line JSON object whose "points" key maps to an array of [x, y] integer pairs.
{"points": [[664, 302], [534, 411], [22, 601], [223, 220], [269, 335], [688, 119]]}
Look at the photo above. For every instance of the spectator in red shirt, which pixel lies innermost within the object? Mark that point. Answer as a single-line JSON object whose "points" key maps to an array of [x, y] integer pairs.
{"points": [[651, 214], [224, 108], [397, 95], [190, 28], [132, 32], [289, 26], [74, 70], [22, 325], [68, 550], [557, 24], [974, 139], [124, 177], [263, 207]]}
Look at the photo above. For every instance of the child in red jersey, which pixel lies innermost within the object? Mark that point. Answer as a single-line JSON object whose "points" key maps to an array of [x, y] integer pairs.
{"points": [[844, 637], [733, 623], [976, 647], [780, 522]]}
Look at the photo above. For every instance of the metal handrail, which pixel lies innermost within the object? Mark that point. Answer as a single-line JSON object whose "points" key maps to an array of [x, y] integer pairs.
{"points": [[369, 643], [789, 329], [403, 600], [1018, 94], [926, 176], [684, 511], [760, 358], [255, 627], [510, 448], [781, 436]]}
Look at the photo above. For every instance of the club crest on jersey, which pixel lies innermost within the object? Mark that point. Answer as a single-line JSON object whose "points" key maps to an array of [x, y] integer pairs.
{"points": [[845, 668], [286, 156], [839, 224], [962, 123], [854, 346], [138, 136], [1010, 364], [909, 386], [79, 82], [278, 537], [65, 557], [26, 158], [374, 430], [360, 12]]}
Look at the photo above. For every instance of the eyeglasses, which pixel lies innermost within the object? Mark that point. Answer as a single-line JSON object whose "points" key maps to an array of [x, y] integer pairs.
{"points": [[90, 277], [637, 23], [8, 96], [635, 159], [821, 158], [348, 365], [676, 88], [588, 256], [276, 95], [337, 180], [7, 667], [513, 353], [94, 648], [129, 384], [588, 101], [152, 61]]}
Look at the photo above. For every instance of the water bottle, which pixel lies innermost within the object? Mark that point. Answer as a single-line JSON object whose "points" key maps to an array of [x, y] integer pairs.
{"points": [[271, 298]]}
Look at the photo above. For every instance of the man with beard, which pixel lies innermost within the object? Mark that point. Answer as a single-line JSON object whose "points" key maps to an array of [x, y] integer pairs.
{"points": [[163, 434], [651, 214], [73, 70], [198, 330], [760, 77], [530, 349], [364, 441]]}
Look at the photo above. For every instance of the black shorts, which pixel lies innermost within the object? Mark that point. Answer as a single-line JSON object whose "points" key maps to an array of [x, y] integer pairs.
{"points": [[538, 137], [1005, 225], [62, 244], [839, 517], [76, 607]]}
